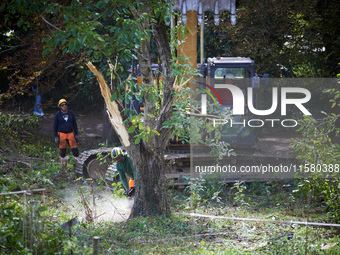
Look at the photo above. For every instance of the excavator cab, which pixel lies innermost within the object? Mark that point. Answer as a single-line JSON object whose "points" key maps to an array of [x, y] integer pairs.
{"points": [[239, 72]]}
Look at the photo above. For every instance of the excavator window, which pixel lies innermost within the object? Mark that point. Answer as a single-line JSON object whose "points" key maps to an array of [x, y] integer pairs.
{"points": [[237, 73]]}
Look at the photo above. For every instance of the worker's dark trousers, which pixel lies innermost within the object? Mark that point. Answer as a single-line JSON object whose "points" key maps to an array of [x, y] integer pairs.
{"points": [[64, 137]]}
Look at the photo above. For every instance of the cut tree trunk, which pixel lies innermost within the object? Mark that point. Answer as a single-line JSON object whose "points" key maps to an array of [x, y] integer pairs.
{"points": [[151, 193]]}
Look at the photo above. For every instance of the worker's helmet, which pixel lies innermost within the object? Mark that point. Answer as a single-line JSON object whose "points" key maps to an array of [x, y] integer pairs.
{"points": [[116, 152], [62, 101], [229, 76]]}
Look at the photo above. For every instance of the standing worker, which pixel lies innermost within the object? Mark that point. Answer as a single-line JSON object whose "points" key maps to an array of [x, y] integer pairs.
{"points": [[37, 107], [125, 168], [65, 129]]}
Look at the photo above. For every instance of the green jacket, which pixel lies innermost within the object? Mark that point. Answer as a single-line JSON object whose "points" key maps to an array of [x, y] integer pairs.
{"points": [[126, 168]]}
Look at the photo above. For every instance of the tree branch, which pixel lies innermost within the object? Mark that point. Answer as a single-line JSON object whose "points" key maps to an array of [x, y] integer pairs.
{"points": [[112, 107], [51, 24]]}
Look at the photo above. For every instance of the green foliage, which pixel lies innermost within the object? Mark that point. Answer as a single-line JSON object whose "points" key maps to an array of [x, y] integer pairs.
{"points": [[317, 146], [219, 149], [97, 29], [72, 246], [298, 38], [118, 189], [336, 95], [37, 174], [319, 157], [205, 190], [24, 228], [11, 227], [22, 11], [179, 122], [143, 133], [183, 234], [106, 30], [26, 160], [17, 122], [239, 194], [15, 130]]}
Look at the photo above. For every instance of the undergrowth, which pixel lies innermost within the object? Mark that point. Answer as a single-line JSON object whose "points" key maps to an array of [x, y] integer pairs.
{"points": [[181, 233]]}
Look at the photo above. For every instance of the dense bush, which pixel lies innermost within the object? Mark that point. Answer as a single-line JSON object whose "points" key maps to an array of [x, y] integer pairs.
{"points": [[24, 228]]}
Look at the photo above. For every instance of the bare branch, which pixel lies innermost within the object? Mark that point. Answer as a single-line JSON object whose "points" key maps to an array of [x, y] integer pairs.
{"points": [[51, 24]]}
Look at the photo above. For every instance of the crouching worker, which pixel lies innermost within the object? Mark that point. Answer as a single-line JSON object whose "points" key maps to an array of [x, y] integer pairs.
{"points": [[65, 131], [125, 169]]}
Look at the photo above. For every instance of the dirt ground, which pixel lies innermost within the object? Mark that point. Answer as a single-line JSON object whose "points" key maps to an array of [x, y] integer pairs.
{"points": [[277, 143]]}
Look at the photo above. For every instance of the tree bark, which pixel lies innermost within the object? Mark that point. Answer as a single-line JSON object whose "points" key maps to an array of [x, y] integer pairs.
{"points": [[151, 191]]}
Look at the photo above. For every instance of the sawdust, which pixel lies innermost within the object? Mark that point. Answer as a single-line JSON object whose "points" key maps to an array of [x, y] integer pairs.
{"points": [[103, 204]]}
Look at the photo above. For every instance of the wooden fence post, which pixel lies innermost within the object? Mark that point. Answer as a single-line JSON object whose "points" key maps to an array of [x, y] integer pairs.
{"points": [[96, 240]]}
